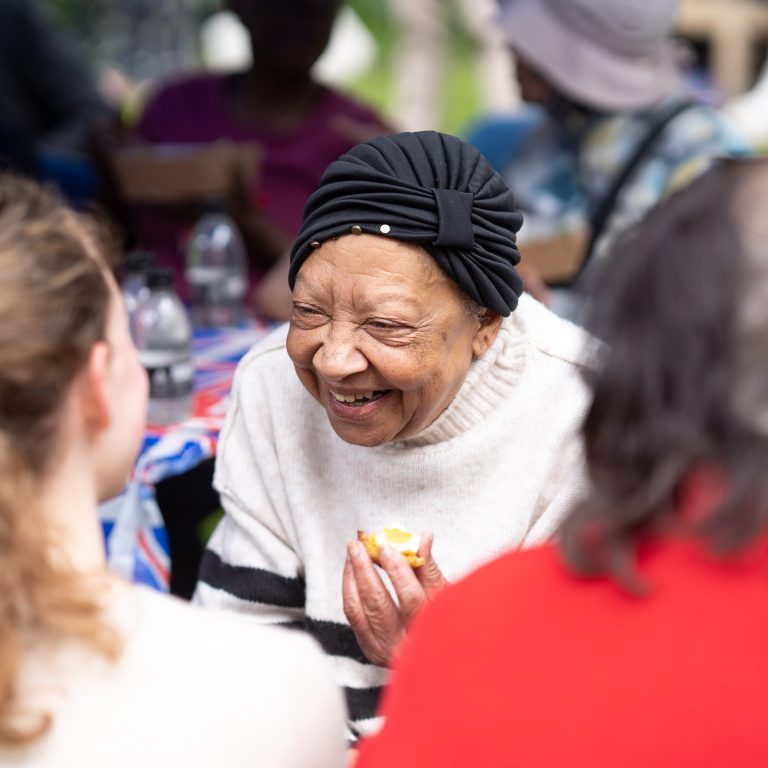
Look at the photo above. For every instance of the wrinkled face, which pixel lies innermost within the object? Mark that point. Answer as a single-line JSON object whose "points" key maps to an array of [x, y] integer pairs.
{"points": [[127, 391], [379, 336]]}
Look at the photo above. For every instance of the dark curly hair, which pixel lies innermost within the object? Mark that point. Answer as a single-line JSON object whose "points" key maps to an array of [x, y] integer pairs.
{"points": [[683, 379]]}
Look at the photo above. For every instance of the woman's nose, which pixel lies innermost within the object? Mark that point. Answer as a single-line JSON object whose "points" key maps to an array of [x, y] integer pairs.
{"points": [[338, 356]]}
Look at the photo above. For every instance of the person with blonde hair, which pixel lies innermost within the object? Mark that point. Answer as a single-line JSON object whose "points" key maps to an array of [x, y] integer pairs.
{"points": [[95, 671]]}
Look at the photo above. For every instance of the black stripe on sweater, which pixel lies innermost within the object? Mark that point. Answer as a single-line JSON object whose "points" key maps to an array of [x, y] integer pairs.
{"points": [[336, 639], [254, 584], [339, 640], [362, 703]]}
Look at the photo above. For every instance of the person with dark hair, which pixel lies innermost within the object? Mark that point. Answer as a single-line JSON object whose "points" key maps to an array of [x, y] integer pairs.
{"points": [[95, 671], [640, 638], [415, 384], [299, 125]]}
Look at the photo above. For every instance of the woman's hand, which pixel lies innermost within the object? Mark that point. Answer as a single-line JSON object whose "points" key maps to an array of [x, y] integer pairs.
{"points": [[379, 622]]}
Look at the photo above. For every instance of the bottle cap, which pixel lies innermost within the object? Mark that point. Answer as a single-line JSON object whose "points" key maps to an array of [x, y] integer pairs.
{"points": [[215, 204], [159, 277], [139, 261]]}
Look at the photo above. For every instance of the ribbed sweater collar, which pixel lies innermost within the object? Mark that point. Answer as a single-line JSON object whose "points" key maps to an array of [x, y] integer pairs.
{"points": [[488, 382]]}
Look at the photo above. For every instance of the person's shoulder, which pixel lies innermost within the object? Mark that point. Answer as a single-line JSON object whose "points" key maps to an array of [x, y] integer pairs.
{"points": [[268, 352], [168, 619], [267, 366], [519, 566], [701, 127], [224, 647], [695, 138], [507, 580], [552, 335], [339, 102], [266, 683]]}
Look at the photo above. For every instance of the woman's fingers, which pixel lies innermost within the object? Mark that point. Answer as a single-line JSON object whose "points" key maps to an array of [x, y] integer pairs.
{"points": [[429, 575], [410, 593], [379, 622], [353, 606], [370, 609]]}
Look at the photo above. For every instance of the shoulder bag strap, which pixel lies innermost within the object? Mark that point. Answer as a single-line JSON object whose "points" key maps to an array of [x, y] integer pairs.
{"points": [[603, 211]]}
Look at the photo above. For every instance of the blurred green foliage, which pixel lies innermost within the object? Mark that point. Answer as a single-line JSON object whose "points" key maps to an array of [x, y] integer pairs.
{"points": [[458, 98]]}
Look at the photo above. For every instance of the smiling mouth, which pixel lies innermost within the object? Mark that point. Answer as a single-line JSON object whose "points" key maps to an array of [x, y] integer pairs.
{"points": [[360, 398]]}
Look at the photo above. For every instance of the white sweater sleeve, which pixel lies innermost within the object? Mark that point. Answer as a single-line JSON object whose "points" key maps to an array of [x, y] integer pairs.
{"points": [[566, 483], [251, 564]]}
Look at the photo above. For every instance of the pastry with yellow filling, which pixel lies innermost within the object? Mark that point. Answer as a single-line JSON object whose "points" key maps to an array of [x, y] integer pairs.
{"points": [[406, 543]]}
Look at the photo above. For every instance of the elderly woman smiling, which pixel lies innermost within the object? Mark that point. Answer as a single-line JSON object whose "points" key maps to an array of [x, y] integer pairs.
{"points": [[431, 398], [382, 338]]}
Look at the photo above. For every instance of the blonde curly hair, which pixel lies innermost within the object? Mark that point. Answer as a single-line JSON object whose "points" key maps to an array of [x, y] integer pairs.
{"points": [[54, 302]]}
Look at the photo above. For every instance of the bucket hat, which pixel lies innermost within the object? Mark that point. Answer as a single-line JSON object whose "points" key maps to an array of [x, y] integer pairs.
{"points": [[606, 54]]}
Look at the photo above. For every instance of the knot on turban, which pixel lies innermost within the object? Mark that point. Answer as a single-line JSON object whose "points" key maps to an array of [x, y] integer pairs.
{"points": [[428, 188]]}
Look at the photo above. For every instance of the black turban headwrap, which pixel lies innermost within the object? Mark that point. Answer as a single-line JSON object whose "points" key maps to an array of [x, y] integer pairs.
{"points": [[427, 188]]}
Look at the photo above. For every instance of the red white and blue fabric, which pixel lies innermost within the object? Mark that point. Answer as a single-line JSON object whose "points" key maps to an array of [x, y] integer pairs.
{"points": [[134, 532]]}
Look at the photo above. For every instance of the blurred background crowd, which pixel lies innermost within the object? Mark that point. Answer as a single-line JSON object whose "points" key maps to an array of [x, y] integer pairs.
{"points": [[129, 45], [82, 81]]}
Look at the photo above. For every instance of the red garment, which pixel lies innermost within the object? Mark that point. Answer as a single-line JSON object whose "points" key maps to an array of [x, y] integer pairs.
{"points": [[524, 664]]}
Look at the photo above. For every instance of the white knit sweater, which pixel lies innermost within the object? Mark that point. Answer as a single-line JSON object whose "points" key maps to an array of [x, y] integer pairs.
{"points": [[497, 469], [164, 703]]}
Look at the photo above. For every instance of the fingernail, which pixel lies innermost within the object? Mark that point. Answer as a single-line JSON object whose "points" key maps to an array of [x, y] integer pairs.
{"points": [[386, 550], [353, 550]]}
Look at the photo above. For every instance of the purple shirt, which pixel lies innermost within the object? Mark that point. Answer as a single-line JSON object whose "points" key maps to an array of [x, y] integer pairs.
{"points": [[196, 109]]}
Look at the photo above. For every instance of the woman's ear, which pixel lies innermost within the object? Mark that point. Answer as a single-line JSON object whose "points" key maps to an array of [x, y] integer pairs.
{"points": [[485, 335], [95, 388]]}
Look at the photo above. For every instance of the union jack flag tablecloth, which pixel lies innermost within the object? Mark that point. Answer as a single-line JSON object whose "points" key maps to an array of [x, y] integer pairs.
{"points": [[135, 536]]}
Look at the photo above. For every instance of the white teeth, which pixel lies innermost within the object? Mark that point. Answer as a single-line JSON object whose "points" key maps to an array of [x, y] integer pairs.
{"points": [[352, 398]]}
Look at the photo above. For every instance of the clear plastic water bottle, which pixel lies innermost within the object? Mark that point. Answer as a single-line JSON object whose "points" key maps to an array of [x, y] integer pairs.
{"points": [[216, 272], [163, 336], [134, 283]]}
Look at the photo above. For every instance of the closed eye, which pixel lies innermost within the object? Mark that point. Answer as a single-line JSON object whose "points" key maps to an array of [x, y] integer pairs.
{"points": [[383, 325], [304, 309], [307, 316], [379, 324]]}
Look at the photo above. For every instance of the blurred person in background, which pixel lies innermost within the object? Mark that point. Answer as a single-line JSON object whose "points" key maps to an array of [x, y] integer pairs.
{"points": [[640, 638], [93, 670], [420, 59], [300, 126], [49, 104], [613, 131]]}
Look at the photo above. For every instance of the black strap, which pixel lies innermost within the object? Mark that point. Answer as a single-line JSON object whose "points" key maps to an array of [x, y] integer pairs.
{"points": [[603, 211]]}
